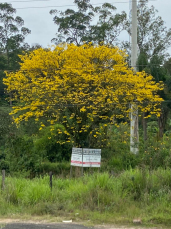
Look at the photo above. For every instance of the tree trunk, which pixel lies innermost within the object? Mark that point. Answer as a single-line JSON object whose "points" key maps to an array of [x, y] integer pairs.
{"points": [[10, 99], [162, 122], [144, 123]]}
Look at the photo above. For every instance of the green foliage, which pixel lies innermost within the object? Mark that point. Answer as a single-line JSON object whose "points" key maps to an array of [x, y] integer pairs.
{"points": [[143, 184], [73, 26], [157, 153], [33, 192], [132, 194], [60, 169], [24, 158], [12, 32], [142, 63], [109, 25], [6, 126], [27, 155], [48, 144], [116, 154], [12, 37], [153, 36], [76, 26]]}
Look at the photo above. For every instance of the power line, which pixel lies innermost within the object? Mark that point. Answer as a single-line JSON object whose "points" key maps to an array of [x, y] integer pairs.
{"points": [[74, 5], [85, 68], [80, 105], [30, 1], [40, 7], [73, 105]]}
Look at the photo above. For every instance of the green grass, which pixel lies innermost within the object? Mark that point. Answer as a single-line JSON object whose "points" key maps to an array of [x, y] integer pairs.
{"points": [[98, 197]]}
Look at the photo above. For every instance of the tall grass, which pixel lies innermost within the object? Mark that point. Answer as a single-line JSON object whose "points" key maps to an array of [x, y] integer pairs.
{"points": [[135, 193]]}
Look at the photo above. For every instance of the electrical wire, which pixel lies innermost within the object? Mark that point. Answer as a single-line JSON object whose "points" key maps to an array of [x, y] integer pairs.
{"points": [[30, 1], [40, 7], [57, 69], [74, 5], [85, 105], [59, 6]]}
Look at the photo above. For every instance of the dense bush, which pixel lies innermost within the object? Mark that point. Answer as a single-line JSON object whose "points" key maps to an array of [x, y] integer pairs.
{"points": [[60, 169], [53, 146], [46, 150], [21, 155]]}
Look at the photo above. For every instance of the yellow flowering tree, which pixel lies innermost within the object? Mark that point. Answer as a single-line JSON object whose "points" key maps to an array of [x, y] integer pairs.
{"points": [[80, 87]]}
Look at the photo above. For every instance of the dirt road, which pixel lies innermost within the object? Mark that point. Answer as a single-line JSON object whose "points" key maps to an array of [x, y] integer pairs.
{"points": [[61, 226], [41, 226]]}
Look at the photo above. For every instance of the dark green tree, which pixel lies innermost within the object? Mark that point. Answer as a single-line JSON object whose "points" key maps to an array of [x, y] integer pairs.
{"points": [[12, 35], [154, 39], [12, 40], [73, 26], [78, 26], [109, 25]]}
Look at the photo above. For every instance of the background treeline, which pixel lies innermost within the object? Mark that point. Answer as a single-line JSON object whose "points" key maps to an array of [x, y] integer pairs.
{"points": [[24, 148]]}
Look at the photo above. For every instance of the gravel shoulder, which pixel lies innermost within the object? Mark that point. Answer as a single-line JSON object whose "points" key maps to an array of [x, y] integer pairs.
{"points": [[44, 224]]}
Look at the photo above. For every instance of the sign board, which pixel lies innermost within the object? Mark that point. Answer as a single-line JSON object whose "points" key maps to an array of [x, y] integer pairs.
{"points": [[86, 157]]}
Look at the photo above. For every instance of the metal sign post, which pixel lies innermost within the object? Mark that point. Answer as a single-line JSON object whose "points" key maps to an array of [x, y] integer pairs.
{"points": [[82, 164]]}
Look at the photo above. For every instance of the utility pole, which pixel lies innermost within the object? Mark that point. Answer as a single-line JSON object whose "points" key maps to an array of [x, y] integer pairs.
{"points": [[134, 133]]}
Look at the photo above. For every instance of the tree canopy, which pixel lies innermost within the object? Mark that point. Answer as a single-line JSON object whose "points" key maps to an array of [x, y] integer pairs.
{"points": [[153, 36], [80, 87], [12, 34], [88, 24], [12, 40]]}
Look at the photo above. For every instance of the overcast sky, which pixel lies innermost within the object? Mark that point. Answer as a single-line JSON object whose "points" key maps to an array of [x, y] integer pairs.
{"points": [[37, 18]]}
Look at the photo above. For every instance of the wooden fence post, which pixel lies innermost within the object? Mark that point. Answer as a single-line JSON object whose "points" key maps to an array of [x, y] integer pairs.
{"points": [[71, 172], [3, 180], [50, 174]]}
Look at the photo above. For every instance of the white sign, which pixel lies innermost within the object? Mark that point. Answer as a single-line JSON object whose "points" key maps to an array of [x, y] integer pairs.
{"points": [[86, 157]]}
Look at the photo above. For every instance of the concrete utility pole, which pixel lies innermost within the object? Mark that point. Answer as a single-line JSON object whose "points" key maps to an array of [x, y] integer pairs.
{"points": [[134, 135]]}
